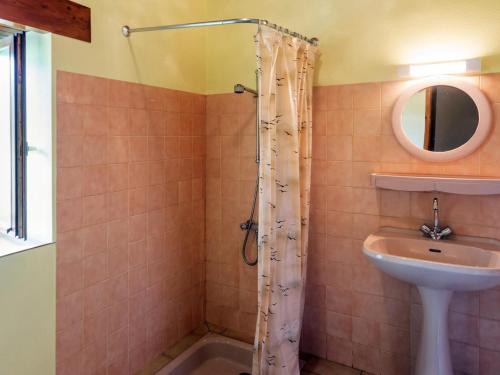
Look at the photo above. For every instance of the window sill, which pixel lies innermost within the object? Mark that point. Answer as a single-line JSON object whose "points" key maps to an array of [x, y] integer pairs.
{"points": [[9, 245]]}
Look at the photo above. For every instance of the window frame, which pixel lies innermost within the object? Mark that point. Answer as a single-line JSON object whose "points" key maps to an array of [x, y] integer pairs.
{"points": [[17, 51], [20, 143]]}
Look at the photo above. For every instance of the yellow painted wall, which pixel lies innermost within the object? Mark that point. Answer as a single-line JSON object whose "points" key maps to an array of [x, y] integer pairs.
{"points": [[173, 59], [361, 40], [27, 312]]}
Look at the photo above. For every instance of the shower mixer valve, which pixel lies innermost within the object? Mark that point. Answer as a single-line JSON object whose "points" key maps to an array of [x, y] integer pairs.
{"points": [[249, 225]]}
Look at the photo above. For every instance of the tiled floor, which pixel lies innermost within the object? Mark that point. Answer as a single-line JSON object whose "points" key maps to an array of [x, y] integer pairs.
{"points": [[318, 366]]}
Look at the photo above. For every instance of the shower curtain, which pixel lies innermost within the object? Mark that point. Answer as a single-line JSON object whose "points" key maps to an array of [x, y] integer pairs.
{"points": [[285, 67]]}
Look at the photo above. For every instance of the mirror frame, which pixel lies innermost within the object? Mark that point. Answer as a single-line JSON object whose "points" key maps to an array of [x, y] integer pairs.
{"points": [[482, 130]]}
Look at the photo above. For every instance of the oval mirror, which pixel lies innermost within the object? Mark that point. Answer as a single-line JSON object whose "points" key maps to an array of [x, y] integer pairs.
{"points": [[441, 119]]}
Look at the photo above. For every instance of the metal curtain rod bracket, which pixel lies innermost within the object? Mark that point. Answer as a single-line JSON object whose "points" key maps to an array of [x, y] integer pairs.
{"points": [[126, 30]]}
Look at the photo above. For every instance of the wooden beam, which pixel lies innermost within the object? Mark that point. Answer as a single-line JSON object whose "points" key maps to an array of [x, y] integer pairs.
{"points": [[61, 17]]}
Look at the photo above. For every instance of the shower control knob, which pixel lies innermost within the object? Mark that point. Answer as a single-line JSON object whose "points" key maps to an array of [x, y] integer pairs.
{"points": [[248, 225]]}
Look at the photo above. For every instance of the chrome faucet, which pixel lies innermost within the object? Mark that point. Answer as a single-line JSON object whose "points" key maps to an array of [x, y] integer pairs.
{"points": [[435, 233]]}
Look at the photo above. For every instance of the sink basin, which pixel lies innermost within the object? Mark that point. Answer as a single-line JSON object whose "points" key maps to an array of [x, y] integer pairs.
{"points": [[437, 268], [461, 263]]}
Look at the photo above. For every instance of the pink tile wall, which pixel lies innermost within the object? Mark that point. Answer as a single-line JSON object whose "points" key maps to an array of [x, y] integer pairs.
{"points": [[355, 314], [231, 172], [131, 206], [130, 222]]}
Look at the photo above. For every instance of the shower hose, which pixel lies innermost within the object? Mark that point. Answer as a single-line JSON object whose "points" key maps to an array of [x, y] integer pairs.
{"points": [[249, 226]]}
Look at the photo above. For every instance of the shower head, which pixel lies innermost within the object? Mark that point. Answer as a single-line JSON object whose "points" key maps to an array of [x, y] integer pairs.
{"points": [[240, 89]]}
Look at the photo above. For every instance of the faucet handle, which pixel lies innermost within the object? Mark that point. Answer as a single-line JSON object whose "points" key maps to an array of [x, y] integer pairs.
{"points": [[425, 229], [445, 232]]}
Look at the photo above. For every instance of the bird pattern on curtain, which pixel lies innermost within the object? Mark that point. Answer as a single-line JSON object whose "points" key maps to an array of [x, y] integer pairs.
{"points": [[285, 70]]}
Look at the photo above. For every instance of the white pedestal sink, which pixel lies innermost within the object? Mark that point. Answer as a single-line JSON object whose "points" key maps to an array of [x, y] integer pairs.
{"points": [[437, 268]]}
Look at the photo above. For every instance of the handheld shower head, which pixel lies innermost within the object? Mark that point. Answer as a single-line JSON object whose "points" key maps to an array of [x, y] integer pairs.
{"points": [[240, 89]]}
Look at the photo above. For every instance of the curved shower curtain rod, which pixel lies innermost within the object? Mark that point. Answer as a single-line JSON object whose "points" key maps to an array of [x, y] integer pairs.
{"points": [[126, 30]]}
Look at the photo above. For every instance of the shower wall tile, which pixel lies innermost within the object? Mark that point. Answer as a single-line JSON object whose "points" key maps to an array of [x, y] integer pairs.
{"points": [[231, 173], [141, 168], [373, 320], [131, 217]]}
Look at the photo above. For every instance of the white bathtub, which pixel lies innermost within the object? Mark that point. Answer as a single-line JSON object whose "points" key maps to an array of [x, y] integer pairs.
{"points": [[212, 355]]}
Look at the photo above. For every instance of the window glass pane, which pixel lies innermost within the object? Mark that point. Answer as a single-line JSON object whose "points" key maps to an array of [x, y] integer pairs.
{"points": [[5, 137], [39, 137]]}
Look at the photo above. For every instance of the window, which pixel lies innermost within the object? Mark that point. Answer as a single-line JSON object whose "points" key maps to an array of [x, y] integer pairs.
{"points": [[13, 131], [25, 119], [6, 123]]}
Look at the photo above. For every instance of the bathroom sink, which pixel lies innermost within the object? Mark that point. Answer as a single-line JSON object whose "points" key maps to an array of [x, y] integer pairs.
{"points": [[460, 263], [437, 268]]}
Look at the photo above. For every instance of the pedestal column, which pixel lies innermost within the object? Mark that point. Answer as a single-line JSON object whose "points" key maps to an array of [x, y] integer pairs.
{"points": [[434, 351]]}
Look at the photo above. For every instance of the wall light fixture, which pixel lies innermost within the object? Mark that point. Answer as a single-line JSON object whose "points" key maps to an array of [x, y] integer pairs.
{"points": [[438, 68]]}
